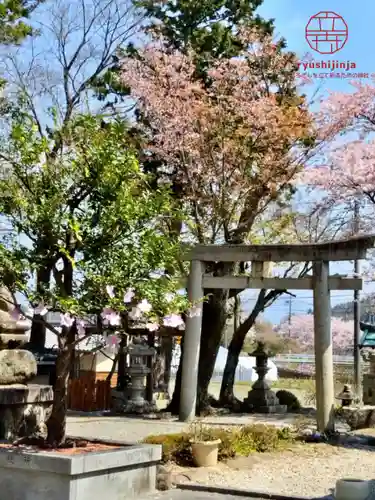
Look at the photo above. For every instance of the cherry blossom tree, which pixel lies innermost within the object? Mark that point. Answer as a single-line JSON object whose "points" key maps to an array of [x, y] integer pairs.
{"points": [[345, 173], [301, 330], [230, 148]]}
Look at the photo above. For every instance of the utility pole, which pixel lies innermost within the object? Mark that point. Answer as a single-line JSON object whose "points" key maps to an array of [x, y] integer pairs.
{"points": [[356, 314], [290, 314], [290, 318]]}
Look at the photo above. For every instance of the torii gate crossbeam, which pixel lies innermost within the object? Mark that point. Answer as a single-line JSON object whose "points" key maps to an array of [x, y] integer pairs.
{"points": [[321, 283]]}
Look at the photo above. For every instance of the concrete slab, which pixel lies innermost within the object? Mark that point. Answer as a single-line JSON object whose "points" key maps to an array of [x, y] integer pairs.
{"points": [[126, 472]]}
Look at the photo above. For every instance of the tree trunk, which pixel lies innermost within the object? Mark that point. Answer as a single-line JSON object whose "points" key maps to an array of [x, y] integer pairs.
{"points": [[174, 405], [38, 327], [113, 369], [213, 324], [167, 350], [56, 423], [234, 350]]}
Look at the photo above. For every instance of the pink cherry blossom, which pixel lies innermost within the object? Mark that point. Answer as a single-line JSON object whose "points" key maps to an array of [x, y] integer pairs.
{"points": [[207, 135], [40, 309], [66, 320], [152, 327], [128, 295], [81, 327], [16, 314], [301, 329], [112, 340], [111, 316], [144, 306], [173, 321]]}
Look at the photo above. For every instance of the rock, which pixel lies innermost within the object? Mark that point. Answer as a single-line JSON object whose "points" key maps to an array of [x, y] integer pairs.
{"points": [[24, 410], [163, 478], [358, 418], [17, 366], [289, 399]]}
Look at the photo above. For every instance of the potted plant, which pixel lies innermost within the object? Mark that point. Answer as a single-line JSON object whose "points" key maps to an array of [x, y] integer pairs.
{"points": [[204, 446]]}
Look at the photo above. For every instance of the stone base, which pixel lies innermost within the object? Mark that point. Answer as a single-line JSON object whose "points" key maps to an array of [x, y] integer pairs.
{"points": [[132, 408], [24, 409], [126, 472], [358, 417], [272, 409], [369, 389], [262, 400], [121, 403]]}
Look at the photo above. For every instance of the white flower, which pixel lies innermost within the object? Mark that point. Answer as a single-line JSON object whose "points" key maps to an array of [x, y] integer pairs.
{"points": [[144, 306], [169, 296], [40, 309], [152, 327], [173, 320], [135, 313], [66, 320], [110, 291], [155, 275], [194, 312], [81, 328], [111, 316], [128, 295], [59, 265]]}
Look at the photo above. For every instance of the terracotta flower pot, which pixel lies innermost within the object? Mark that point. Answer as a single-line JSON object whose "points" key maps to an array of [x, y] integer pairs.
{"points": [[352, 489], [205, 453]]}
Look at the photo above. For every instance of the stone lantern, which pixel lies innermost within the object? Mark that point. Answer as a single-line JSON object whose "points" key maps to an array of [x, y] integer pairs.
{"points": [[261, 399], [138, 370], [346, 396]]}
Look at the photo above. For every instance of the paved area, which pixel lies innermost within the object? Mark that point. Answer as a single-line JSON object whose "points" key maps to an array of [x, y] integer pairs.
{"points": [[136, 429]]}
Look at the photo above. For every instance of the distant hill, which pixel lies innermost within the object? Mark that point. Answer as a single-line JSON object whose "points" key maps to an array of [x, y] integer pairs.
{"points": [[345, 310]]}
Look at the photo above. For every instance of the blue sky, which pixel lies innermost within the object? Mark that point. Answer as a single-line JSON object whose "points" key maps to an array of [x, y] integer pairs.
{"points": [[292, 16]]}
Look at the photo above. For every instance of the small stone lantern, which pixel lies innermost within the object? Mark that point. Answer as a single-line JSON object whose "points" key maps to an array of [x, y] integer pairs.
{"points": [[138, 370], [261, 399], [346, 396]]}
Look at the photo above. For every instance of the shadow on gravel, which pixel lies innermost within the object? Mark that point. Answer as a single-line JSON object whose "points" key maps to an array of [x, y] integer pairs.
{"points": [[203, 492]]}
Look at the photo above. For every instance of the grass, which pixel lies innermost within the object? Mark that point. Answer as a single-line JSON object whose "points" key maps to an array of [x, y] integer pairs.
{"points": [[257, 438]]}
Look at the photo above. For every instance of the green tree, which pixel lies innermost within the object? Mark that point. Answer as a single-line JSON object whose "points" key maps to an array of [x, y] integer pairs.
{"points": [[95, 213], [13, 28], [77, 44]]}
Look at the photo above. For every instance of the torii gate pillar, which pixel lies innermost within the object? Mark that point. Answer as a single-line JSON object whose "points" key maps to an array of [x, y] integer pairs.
{"points": [[323, 348], [192, 343]]}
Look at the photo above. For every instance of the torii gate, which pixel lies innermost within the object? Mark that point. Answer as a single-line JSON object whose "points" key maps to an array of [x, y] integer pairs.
{"points": [[321, 283]]}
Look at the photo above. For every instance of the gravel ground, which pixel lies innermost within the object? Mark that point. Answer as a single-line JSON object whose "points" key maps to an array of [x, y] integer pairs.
{"points": [[309, 471]]}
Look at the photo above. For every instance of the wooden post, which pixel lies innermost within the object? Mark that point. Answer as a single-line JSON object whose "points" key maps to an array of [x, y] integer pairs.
{"points": [[323, 348], [192, 340]]}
